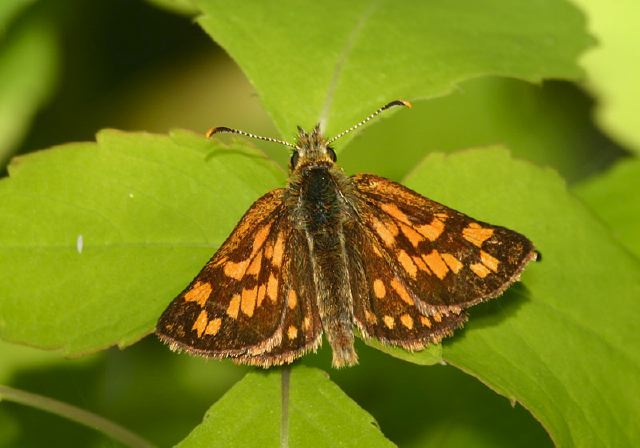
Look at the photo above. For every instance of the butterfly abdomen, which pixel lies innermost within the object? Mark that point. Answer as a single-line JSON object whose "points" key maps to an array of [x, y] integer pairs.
{"points": [[321, 210]]}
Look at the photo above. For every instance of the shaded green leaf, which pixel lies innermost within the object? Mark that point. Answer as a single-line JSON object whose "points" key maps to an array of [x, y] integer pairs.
{"points": [[564, 343], [338, 61], [130, 387], [549, 124], [177, 6], [432, 354], [613, 68], [28, 71], [16, 357], [96, 239], [613, 197], [436, 406], [9, 9], [318, 413]]}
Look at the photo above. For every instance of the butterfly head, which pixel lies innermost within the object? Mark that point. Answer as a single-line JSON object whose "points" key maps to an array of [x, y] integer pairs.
{"points": [[312, 148]]}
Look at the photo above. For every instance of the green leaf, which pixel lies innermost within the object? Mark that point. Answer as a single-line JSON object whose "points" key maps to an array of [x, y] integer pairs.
{"points": [[612, 67], [613, 197], [565, 342], [313, 412], [338, 61], [96, 239], [28, 71]]}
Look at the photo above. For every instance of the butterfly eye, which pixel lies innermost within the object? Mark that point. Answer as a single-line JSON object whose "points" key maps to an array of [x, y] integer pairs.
{"points": [[332, 153], [294, 159]]}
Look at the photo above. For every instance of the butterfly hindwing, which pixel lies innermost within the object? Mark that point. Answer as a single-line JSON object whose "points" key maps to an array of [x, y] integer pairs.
{"points": [[237, 305], [301, 329], [445, 259], [384, 304]]}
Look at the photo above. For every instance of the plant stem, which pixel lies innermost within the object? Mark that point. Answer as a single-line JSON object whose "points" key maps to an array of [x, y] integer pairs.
{"points": [[107, 427], [284, 421]]}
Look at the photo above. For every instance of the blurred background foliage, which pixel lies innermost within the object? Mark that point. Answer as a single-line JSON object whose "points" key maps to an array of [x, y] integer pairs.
{"points": [[65, 74]]}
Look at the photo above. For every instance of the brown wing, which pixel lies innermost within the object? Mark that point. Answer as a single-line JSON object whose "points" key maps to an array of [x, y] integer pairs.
{"points": [[248, 302], [435, 260], [384, 306]]}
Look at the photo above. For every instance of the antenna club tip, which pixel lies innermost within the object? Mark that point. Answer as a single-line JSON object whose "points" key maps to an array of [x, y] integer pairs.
{"points": [[406, 103], [393, 103], [217, 130]]}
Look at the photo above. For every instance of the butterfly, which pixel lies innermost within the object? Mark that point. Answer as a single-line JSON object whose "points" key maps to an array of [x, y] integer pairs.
{"points": [[335, 255]]}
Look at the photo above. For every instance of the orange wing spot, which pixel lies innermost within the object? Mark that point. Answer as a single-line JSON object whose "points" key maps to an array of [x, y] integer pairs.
{"points": [[393, 211], [378, 288], [256, 264], [421, 264], [234, 306], [476, 234], [437, 316], [433, 230], [425, 321], [272, 288], [387, 231], [306, 323], [292, 332], [442, 216], [436, 263], [489, 261], [292, 299], [407, 264], [453, 263], [262, 291], [402, 291], [248, 300], [278, 251], [371, 318], [389, 322], [198, 293], [268, 251], [236, 270], [407, 321], [260, 237], [201, 322], [213, 326], [414, 237], [480, 270]]}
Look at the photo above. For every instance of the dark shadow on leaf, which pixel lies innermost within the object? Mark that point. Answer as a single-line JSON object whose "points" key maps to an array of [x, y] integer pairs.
{"points": [[495, 311], [435, 405]]}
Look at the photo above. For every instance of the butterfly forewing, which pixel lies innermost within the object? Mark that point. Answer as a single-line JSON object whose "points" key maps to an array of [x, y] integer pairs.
{"points": [[236, 306], [445, 259]]}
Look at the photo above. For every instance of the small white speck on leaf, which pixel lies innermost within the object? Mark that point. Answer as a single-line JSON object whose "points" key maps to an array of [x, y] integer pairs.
{"points": [[79, 243]]}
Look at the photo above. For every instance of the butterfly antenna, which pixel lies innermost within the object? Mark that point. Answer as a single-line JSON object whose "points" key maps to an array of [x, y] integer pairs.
{"points": [[220, 129], [373, 115]]}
